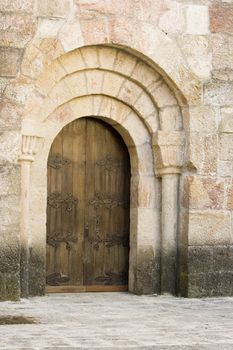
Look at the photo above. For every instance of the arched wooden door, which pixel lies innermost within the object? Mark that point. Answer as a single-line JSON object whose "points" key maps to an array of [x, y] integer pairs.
{"points": [[88, 209]]}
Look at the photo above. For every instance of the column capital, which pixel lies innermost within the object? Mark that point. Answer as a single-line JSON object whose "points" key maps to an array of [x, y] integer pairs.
{"points": [[28, 148], [168, 149]]}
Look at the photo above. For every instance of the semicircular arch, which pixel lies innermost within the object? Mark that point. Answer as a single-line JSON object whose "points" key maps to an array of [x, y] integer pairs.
{"points": [[110, 72]]}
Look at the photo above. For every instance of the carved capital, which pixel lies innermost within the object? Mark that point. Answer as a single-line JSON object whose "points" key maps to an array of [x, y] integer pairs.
{"points": [[28, 148], [168, 151]]}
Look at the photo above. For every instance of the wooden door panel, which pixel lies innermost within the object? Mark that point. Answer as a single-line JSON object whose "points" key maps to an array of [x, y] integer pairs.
{"points": [[88, 206], [107, 209], [66, 191]]}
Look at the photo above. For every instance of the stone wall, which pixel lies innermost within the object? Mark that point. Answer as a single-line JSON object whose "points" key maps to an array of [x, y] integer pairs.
{"points": [[189, 43]]}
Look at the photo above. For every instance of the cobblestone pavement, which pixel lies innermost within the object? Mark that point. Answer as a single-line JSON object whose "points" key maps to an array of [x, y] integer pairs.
{"points": [[119, 321]]}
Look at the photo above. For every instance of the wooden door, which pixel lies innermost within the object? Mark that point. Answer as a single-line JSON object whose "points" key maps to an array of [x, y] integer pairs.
{"points": [[88, 208]]}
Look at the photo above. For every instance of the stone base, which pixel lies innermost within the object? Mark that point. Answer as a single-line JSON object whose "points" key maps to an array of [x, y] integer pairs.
{"points": [[210, 271]]}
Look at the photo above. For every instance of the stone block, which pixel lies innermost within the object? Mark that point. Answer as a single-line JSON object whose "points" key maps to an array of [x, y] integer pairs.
{"points": [[94, 81], [146, 75], [151, 10], [107, 57], [222, 50], [53, 8], [201, 119], [61, 92], [9, 61], [9, 214], [170, 118], [16, 29], [147, 272], [145, 106], [51, 48], [37, 268], [9, 286], [202, 153], [209, 228], [143, 192], [69, 63], [10, 115], [203, 193], [172, 19], [198, 52], [10, 143], [124, 64], [225, 168], [210, 284], [218, 93], [200, 259], [99, 35], [129, 92], [221, 18], [26, 6], [222, 74], [162, 95], [230, 196], [18, 90], [136, 129], [197, 19], [90, 57], [3, 84], [10, 174], [148, 227], [112, 84], [226, 125], [10, 249], [74, 39], [226, 146], [49, 27], [223, 258], [33, 62]]}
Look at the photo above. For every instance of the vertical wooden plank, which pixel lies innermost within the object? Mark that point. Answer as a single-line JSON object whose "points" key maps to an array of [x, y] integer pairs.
{"points": [[79, 158], [107, 186], [53, 215]]}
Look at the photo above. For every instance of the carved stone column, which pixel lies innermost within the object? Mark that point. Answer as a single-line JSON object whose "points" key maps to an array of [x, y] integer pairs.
{"points": [[28, 150], [168, 153]]}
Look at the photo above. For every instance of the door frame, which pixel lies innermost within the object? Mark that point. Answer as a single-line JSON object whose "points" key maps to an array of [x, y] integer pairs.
{"points": [[144, 257]]}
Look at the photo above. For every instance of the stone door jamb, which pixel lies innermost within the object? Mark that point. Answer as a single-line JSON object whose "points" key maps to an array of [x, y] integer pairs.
{"points": [[169, 156]]}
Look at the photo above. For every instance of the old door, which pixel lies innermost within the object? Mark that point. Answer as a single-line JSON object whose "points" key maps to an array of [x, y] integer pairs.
{"points": [[88, 209]]}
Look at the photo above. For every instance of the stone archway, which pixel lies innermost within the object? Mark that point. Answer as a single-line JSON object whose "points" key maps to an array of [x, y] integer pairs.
{"points": [[113, 85]]}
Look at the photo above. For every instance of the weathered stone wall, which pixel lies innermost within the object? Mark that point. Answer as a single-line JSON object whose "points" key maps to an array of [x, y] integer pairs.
{"points": [[190, 43]]}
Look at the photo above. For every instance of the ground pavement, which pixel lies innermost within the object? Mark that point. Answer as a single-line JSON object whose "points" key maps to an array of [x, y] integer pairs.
{"points": [[119, 321]]}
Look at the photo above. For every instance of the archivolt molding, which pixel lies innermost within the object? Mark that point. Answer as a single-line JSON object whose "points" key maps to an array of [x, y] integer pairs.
{"points": [[110, 72], [155, 45], [129, 125]]}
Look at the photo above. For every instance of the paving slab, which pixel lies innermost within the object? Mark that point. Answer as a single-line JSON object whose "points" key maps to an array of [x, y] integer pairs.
{"points": [[118, 321]]}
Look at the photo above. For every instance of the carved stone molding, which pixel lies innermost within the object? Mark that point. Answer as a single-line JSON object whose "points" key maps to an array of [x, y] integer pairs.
{"points": [[28, 148], [168, 151]]}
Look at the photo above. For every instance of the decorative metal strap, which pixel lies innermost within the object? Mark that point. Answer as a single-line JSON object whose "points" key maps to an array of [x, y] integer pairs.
{"points": [[57, 161], [109, 163], [108, 202], [56, 200]]}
